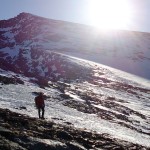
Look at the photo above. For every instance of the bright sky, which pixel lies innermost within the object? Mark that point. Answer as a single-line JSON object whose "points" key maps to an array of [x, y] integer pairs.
{"points": [[105, 14]]}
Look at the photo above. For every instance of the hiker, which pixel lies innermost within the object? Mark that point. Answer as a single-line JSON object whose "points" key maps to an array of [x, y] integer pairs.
{"points": [[40, 105]]}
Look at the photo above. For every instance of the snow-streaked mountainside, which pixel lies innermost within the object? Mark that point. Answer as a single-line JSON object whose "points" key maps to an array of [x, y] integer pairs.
{"points": [[125, 50], [101, 102], [34, 57]]}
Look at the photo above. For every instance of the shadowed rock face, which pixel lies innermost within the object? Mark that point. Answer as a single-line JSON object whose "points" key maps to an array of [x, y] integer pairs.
{"points": [[28, 34], [22, 132], [10, 80]]}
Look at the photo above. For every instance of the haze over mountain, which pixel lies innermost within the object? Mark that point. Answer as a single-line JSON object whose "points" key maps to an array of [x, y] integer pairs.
{"points": [[124, 50]]}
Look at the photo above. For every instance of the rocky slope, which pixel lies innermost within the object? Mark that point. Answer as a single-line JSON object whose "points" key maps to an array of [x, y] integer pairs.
{"points": [[88, 105], [20, 132], [111, 111]]}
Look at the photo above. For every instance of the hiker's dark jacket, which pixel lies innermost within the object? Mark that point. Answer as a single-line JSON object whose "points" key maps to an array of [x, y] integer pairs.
{"points": [[39, 101]]}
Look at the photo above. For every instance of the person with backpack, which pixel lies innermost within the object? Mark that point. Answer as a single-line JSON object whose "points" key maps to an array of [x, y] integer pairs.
{"points": [[40, 105]]}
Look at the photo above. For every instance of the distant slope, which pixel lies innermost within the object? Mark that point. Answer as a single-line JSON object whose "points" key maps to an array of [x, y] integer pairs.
{"points": [[126, 50]]}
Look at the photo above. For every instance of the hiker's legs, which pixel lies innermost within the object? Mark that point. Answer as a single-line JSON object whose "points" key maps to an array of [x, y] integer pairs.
{"points": [[42, 112], [39, 110]]}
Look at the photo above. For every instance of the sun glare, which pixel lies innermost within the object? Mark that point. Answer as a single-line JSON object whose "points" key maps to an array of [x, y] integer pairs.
{"points": [[110, 14]]}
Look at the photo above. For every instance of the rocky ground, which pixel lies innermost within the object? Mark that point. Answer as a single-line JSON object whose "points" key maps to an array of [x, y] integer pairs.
{"points": [[20, 132]]}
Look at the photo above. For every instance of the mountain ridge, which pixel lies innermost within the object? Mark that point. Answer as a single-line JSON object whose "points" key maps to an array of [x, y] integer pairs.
{"points": [[23, 14]]}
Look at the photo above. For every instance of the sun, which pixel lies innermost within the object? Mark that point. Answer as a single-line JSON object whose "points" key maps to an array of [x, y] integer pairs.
{"points": [[110, 14]]}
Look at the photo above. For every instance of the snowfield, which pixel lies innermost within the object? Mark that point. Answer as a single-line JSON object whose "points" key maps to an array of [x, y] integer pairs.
{"points": [[98, 105]]}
